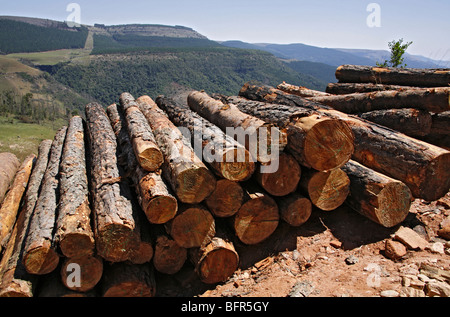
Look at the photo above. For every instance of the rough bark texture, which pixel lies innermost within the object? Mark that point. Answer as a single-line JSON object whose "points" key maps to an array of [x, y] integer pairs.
{"points": [[193, 227], [216, 262], [74, 234], [144, 144], [393, 76], [295, 209], [40, 255], [81, 274], [189, 178], [428, 99], [421, 166], [159, 205], [440, 123], [8, 168], [316, 141], [258, 217], [353, 88], [301, 91], [169, 257], [263, 140], [227, 158], [282, 178], [124, 280], [382, 199], [226, 199], [326, 190], [15, 280], [13, 199], [412, 122], [114, 222]]}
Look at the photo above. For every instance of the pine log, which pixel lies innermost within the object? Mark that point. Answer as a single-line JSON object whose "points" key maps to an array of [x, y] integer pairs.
{"points": [[189, 178], [40, 255], [51, 286], [10, 165], [263, 140], [15, 280], [353, 88], [285, 177], [227, 158], [427, 99], [81, 274], [258, 217], [125, 280], [315, 141], [216, 262], [226, 199], [158, 204], [326, 190], [394, 76], [301, 91], [13, 199], [144, 144], [440, 123], [383, 200], [412, 122], [143, 253], [441, 140], [193, 226], [421, 166], [169, 257], [295, 209], [114, 222], [74, 234]]}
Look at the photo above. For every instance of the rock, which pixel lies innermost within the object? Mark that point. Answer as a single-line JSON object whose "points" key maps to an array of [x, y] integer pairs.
{"points": [[395, 250], [389, 293], [301, 289], [411, 292], [437, 288], [437, 247], [351, 260], [336, 244], [444, 232], [411, 239]]}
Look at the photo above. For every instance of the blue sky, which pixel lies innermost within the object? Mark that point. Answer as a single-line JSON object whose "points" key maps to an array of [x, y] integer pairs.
{"points": [[324, 23]]}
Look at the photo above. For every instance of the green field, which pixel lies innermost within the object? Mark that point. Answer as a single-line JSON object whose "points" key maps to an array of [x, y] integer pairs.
{"points": [[23, 139]]}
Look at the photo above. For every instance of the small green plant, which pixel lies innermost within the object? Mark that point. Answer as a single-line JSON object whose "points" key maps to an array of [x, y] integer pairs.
{"points": [[398, 49]]}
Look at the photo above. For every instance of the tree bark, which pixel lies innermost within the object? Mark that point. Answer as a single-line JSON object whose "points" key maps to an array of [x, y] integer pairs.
{"points": [[13, 199], [227, 158], [258, 217], [10, 165], [284, 178], [421, 166], [326, 190], [114, 222], [440, 123], [125, 280], [82, 274], [158, 204], [295, 209], [144, 144], [216, 262], [384, 200], [301, 91], [15, 280], [169, 257], [412, 122], [194, 226], [188, 177], [353, 88], [74, 234], [263, 140], [393, 76], [315, 141], [40, 254], [226, 199], [428, 99]]}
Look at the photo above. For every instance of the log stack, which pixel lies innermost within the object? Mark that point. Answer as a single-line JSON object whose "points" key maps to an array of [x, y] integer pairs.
{"points": [[142, 188]]}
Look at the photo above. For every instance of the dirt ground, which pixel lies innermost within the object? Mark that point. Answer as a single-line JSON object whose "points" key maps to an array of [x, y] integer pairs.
{"points": [[335, 254]]}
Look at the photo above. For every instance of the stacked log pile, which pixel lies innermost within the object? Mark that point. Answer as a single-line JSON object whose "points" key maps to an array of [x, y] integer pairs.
{"points": [[143, 187]]}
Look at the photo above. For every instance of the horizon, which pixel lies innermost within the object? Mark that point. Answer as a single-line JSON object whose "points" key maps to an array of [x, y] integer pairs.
{"points": [[355, 24]]}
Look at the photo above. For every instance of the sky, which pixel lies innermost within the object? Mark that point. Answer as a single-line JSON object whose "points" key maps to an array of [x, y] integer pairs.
{"points": [[362, 24]]}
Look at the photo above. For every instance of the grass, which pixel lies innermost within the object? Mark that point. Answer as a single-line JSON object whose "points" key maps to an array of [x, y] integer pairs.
{"points": [[52, 57], [23, 139]]}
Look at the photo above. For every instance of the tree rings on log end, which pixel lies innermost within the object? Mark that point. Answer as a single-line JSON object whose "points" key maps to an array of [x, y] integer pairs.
{"points": [[149, 158], [394, 202], [41, 260], [438, 176], [194, 185], [295, 209], [226, 199], [90, 270], [115, 242], [237, 165], [161, 209]]}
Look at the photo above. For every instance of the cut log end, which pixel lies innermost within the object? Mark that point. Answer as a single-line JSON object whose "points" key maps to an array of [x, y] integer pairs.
{"points": [[393, 207], [91, 271], [295, 209], [329, 145], [77, 244], [41, 260], [438, 174], [115, 242], [169, 257], [226, 199], [161, 209], [194, 185], [237, 165], [150, 158]]}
